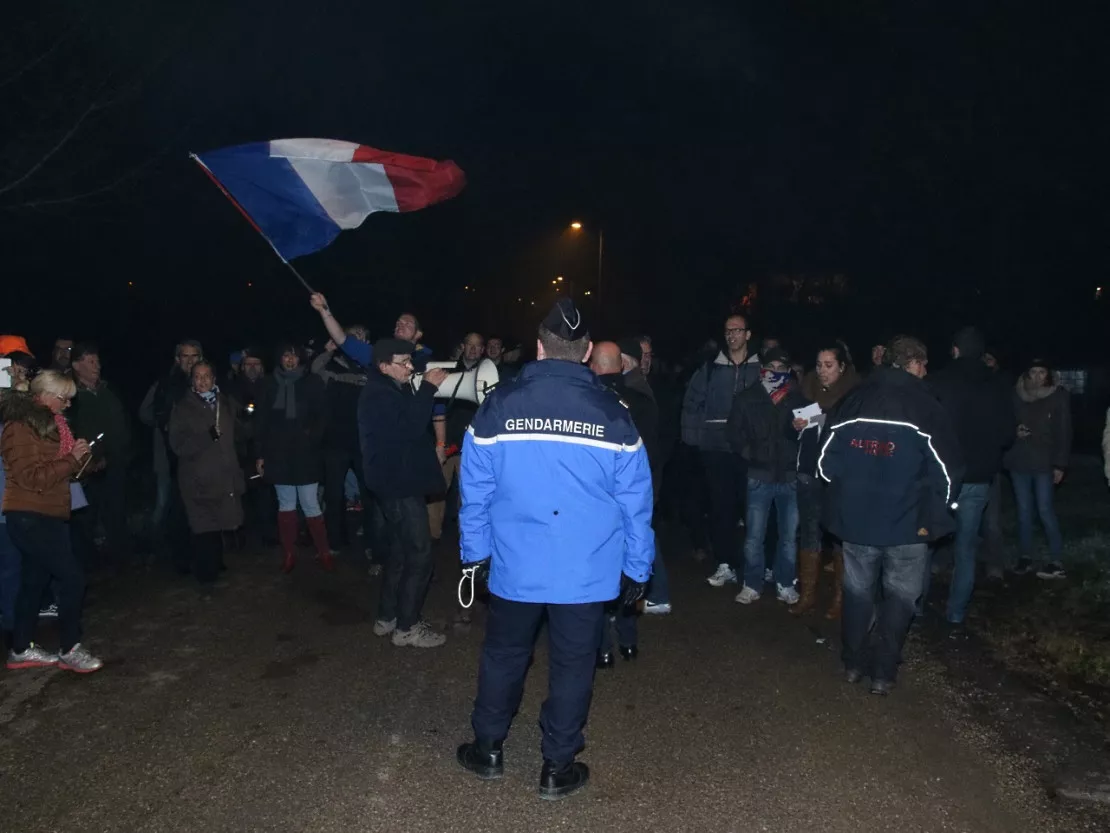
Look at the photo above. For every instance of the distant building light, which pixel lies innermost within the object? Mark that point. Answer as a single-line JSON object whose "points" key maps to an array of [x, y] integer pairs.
{"points": [[1098, 293]]}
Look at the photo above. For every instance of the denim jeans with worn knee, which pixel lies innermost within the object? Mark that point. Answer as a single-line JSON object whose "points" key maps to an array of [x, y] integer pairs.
{"points": [[307, 496], [901, 572]]}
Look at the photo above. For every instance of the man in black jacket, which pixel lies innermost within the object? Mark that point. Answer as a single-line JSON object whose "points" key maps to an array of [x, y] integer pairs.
{"points": [[892, 463], [401, 470], [981, 409], [761, 430]]}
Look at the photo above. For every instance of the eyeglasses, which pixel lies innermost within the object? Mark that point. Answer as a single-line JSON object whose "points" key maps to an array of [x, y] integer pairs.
{"points": [[731, 331], [404, 363]]}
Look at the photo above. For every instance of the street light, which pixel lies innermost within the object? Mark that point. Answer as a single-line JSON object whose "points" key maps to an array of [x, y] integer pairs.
{"points": [[577, 226]]}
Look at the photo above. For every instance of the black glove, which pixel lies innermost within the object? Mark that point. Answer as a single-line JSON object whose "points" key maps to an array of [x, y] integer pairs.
{"points": [[631, 590], [481, 573], [478, 574]]}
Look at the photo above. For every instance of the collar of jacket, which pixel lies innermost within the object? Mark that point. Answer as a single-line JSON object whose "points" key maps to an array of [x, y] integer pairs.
{"points": [[558, 367], [723, 358]]}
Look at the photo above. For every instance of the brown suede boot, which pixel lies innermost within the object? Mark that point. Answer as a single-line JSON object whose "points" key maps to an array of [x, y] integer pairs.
{"points": [[838, 588], [809, 568], [287, 534]]}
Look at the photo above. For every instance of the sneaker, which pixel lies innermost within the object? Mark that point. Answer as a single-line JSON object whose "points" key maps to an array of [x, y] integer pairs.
{"points": [[374, 570], [49, 612], [79, 660], [383, 627], [660, 609], [768, 575], [723, 576], [747, 595], [419, 635], [33, 657], [1023, 566], [1052, 570], [788, 595]]}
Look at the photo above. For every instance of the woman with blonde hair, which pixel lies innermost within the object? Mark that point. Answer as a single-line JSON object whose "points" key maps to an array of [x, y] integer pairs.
{"points": [[40, 457]]}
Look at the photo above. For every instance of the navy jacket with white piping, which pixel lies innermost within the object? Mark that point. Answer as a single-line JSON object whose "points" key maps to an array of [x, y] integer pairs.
{"points": [[556, 488], [892, 462]]}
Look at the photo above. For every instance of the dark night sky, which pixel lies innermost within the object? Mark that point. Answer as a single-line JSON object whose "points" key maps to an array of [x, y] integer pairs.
{"points": [[948, 161]]}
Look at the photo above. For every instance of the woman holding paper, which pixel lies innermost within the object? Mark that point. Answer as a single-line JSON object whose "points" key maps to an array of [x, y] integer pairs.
{"points": [[40, 457], [825, 386]]}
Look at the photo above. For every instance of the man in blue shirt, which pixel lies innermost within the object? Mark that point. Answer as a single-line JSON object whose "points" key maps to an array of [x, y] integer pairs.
{"points": [[556, 514]]}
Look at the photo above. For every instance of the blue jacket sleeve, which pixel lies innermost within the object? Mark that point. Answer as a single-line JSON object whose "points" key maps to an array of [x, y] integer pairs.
{"points": [[693, 408], [360, 351], [476, 484], [634, 496]]}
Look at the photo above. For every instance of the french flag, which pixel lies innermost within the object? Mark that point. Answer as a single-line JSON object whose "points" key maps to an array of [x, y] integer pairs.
{"points": [[300, 193]]}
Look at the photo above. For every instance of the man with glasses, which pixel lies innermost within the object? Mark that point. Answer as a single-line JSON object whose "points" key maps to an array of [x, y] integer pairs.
{"points": [[893, 464], [401, 470], [705, 412]]}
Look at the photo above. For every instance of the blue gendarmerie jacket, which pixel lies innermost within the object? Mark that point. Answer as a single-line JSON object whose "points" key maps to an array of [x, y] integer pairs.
{"points": [[892, 462], [556, 488]]}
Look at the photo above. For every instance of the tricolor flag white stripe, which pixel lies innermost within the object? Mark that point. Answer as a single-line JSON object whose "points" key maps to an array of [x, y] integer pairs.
{"points": [[300, 193]]}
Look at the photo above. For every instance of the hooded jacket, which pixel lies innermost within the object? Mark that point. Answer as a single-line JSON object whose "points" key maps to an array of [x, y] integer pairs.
{"points": [[708, 400], [36, 479], [1046, 412], [892, 462], [982, 412]]}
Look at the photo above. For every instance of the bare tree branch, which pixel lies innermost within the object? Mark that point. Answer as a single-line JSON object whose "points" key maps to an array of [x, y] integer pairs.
{"points": [[71, 198], [34, 62], [69, 134]]}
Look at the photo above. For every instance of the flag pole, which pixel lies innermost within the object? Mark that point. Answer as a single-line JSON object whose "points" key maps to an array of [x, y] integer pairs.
{"points": [[250, 220]]}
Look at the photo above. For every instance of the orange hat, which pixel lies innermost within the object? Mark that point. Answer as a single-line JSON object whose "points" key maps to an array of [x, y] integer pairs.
{"points": [[14, 344]]}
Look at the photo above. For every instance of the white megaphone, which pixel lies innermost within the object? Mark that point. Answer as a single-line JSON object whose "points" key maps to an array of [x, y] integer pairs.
{"points": [[472, 385]]}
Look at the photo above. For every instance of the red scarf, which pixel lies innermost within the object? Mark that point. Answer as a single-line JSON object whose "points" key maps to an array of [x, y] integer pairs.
{"points": [[65, 436]]}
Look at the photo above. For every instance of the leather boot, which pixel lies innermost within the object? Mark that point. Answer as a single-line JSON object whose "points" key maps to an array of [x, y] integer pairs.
{"points": [[838, 588], [558, 781], [484, 759], [287, 534], [319, 533], [809, 568]]}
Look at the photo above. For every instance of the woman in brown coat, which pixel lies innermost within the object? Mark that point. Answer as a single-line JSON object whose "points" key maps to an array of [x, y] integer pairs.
{"points": [[41, 455], [202, 435]]}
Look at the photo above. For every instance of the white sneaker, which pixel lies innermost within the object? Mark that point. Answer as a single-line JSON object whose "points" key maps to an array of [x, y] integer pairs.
{"points": [[419, 635], [788, 595], [768, 575], [723, 576], [383, 627], [658, 609], [746, 596], [80, 660]]}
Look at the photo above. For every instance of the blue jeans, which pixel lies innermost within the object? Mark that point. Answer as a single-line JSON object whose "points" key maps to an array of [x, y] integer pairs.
{"points": [[1030, 488], [572, 634], [761, 497], [969, 515], [289, 496], [901, 570]]}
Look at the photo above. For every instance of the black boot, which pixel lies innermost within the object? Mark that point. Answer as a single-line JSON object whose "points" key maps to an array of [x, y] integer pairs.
{"points": [[629, 652], [604, 660], [483, 759], [560, 781]]}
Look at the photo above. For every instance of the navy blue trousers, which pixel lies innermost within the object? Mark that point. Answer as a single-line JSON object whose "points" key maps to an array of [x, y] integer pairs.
{"points": [[573, 632]]}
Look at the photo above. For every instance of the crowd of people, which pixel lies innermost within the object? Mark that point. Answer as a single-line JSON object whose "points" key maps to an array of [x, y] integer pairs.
{"points": [[773, 469]]}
